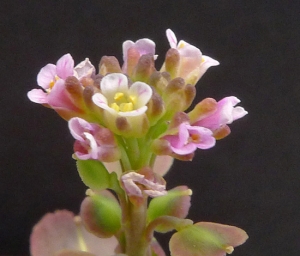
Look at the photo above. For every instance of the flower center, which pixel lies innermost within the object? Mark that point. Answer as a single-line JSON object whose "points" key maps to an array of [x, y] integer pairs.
{"points": [[123, 102], [194, 138], [52, 83]]}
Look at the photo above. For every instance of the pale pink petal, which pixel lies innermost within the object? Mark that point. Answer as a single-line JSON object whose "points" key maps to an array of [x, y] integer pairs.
{"points": [[162, 164], [37, 96], [142, 92], [226, 113], [101, 101], [171, 38], [46, 76], [84, 69], [65, 66], [206, 63], [78, 126], [238, 112], [59, 231], [187, 50], [145, 46], [112, 83], [60, 98], [114, 167], [206, 139]]}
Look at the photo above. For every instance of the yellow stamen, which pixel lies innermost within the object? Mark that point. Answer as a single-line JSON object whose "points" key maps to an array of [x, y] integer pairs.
{"points": [[119, 96], [133, 99], [181, 45], [125, 107], [115, 106], [81, 241]]}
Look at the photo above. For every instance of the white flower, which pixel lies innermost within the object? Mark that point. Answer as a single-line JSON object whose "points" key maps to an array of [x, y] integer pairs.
{"points": [[119, 99]]}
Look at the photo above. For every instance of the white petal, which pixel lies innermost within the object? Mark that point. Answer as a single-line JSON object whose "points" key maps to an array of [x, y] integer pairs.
{"points": [[113, 83], [171, 38], [142, 92]]}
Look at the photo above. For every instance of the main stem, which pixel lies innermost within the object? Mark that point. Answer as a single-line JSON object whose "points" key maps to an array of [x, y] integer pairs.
{"points": [[136, 242]]}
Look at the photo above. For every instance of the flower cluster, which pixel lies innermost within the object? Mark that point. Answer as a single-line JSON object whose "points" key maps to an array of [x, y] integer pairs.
{"points": [[129, 123]]}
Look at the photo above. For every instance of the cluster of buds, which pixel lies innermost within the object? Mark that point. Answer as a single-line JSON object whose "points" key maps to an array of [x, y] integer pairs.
{"points": [[129, 124]]}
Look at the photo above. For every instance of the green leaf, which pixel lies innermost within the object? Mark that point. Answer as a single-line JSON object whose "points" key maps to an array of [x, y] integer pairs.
{"points": [[93, 174]]}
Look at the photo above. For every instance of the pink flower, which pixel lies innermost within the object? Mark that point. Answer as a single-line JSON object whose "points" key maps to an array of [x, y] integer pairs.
{"points": [[133, 51], [189, 138], [49, 76], [191, 64], [93, 141], [225, 113]]}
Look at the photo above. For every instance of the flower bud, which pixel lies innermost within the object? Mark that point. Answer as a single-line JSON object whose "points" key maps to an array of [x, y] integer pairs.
{"points": [[172, 62], [159, 80], [155, 108], [144, 68], [109, 64]]}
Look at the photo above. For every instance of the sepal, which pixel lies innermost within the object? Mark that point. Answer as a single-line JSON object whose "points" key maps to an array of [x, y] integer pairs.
{"points": [[101, 213], [176, 203], [206, 239]]}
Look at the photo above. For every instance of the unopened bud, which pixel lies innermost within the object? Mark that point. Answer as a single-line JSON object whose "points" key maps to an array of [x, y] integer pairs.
{"points": [[109, 64], [144, 68], [172, 62]]}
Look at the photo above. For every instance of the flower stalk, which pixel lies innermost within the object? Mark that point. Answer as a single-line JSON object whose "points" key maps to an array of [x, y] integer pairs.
{"points": [[129, 123]]}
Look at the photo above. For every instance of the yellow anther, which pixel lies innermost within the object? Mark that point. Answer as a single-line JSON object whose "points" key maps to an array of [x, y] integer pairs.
{"points": [[181, 45], [228, 249], [132, 99], [119, 96], [125, 107], [115, 106], [52, 83]]}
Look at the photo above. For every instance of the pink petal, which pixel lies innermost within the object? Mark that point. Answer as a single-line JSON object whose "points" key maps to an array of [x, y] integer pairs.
{"points": [[162, 164], [171, 38], [59, 97], [78, 126], [46, 75], [37, 96], [65, 66], [84, 69], [145, 46], [59, 231]]}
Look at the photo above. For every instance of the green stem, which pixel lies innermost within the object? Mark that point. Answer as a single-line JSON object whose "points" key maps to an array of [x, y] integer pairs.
{"points": [[136, 242]]}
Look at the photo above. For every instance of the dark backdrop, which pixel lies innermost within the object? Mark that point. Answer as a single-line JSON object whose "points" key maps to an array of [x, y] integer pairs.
{"points": [[250, 179]]}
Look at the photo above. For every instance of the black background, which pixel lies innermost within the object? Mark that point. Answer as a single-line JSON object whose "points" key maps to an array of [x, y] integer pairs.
{"points": [[250, 179]]}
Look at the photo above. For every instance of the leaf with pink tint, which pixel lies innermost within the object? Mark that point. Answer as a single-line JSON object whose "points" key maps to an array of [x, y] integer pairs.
{"points": [[60, 231]]}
